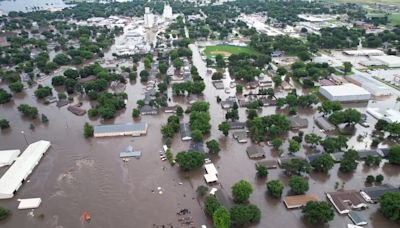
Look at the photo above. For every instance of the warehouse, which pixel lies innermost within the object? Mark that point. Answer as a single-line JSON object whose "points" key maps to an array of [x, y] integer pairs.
{"points": [[345, 93], [131, 129], [364, 52], [12, 180], [388, 60], [373, 86]]}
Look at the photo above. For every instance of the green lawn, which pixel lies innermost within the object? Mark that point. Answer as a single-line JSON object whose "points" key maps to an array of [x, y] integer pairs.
{"points": [[226, 50], [394, 19]]}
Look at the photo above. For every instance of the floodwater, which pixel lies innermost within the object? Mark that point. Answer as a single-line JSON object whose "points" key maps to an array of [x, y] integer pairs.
{"points": [[30, 5], [79, 174]]}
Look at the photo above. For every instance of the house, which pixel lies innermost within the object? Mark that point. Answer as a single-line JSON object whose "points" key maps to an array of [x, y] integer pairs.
{"points": [[131, 129], [313, 157], [224, 199], [240, 136], [296, 122], [148, 110], [284, 160], [324, 124], [61, 103], [338, 156], [267, 101], [362, 154], [346, 200], [197, 146], [130, 152], [264, 81], [76, 110], [211, 173], [243, 102], [269, 164], [50, 99], [372, 194], [297, 201], [357, 218], [236, 125], [229, 103], [255, 151], [286, 85], [185, 131], [170, 109]]}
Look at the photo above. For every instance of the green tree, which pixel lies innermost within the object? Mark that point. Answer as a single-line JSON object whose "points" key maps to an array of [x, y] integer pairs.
{"points": [[211, 205], [317, 212], [298, 185], [372, 161], [245, 214], [275, 188], [252, 113], [262, 171], [4, 213], [197, 135], [179, 111], [170, 157], [296, 166], [277, 80], [277, 143], [16, 87], [4, 96], [333, 144], [190, 160], [241, 191], [323, 163], [168, 131], [135, 113], [224, 128], [390, 205], [239, 88], [43, 92], [379, 178], [281, 71], [349, 163], [327, 107], [394, 155], [370, 179], [347, 67], [45, 119], [162, 67], [221, 218], [312, 139], [294, 146], [213, 146], [200, 106], [28, 111], [4, 124], [88, 130]]}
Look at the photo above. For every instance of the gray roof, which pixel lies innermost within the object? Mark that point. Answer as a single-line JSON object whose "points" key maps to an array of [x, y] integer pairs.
{"points": [[255, 151], [297, 122], [377, 191], [284, 160], [236, 125], [313, 157], [337, 156], [384, 151], [126, 127], [185, 130], [357, 218], [136, 154], [323, 123], [197, 146], [365, 153], [147, 109], [269, 164], [224, 199], [240, 135]]}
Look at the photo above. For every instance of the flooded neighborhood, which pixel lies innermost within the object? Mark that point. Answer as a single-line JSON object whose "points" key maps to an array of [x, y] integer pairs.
{"points": [[132, 93]]}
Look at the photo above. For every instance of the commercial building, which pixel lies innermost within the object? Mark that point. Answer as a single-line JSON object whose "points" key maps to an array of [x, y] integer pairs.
{"points": [[255, 151], [324, 124], [292, 202], [345, 93], [389, 115], [346, 200], [167, 12], [7, 157], [12, 180], [148, 18], [185, 130], [372, 194], [388, 60], [373, 86], [364, 52], [127, 129]]}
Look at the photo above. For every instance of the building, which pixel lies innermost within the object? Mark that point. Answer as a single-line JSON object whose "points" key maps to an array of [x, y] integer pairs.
{"points": [[31, 203], [362, 154], [13, 178], [324, 124], [240, 136], [224, 199], [130, 152], [389, 115], [170, 109], [233, 125], [338, 156], [313, 157], [372, 194], [373, 86], [388, 60], [345, 93], [185, 131], [167, 12], [284, 160], [148, 110], [344, 201], [364, 52], [197, 147], [127, 129], [50, 99], [76, 110], [269, 164], [7, 157], [357, 218], [296, 122], [229, 103], [255, 151], [264, 80], [148, 18], [292, 202]]}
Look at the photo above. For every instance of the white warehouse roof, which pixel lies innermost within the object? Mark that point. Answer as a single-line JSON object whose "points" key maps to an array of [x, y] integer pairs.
{"points": [[7, 157], [210, 168], [388, 60], [364, 52], [346, 92], [22, 167], [29, 203]]}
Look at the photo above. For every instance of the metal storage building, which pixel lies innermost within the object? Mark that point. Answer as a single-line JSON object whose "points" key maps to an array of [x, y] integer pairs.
{"points": [[388, 60], [7, 157], [345, 93], [132, 129], [12, 180]]}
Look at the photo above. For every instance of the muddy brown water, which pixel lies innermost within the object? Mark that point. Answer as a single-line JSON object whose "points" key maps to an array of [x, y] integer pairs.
{"points": [[79, 174]]}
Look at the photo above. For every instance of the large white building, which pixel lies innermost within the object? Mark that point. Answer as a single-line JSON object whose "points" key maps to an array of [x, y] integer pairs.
{"points": [[167, 13], [131, 129], [7, 157], [148, 18], [388, 60], [12, 180], [345, 93]]}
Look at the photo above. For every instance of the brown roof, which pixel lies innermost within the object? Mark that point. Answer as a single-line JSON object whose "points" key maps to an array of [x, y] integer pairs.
{"points": [[345, 200], [76, 110], [299, 201]]}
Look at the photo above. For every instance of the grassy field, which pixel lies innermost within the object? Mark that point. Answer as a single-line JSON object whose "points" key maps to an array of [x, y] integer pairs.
{"points": [[226, 50], [394, 19]]}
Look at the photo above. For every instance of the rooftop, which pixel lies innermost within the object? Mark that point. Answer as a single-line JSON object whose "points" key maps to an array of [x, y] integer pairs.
{"points": [[125, 127], [347, 89], [377, 191], [269, 164], [297, 122], [7, 157], [299, 200], [255, 151], [346, 200]]}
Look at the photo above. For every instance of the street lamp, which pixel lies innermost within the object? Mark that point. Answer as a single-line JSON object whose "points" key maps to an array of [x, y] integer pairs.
{"points": [[23, 133]]}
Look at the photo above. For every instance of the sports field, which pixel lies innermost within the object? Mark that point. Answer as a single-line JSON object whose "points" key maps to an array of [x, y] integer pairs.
{"points": [[226, 50]]}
